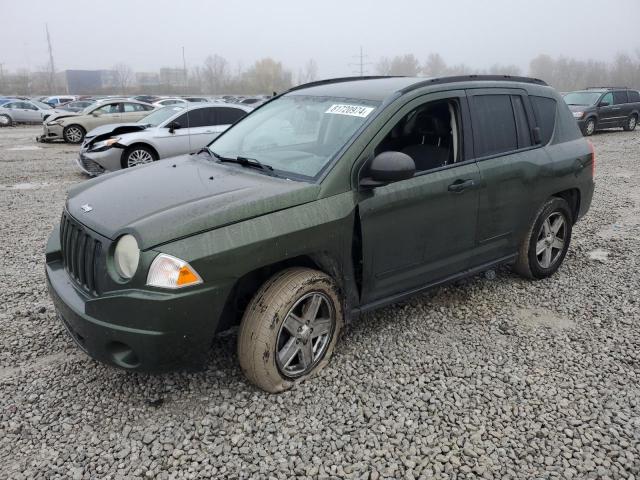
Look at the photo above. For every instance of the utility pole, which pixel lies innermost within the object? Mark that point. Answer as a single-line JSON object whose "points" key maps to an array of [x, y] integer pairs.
{"points": [[184, 70], [361, 64], [52, 68]]}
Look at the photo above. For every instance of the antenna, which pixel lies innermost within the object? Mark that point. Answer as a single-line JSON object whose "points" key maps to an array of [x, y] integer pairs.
{"points": [[184, 70], [360, 64], [52, 68]]}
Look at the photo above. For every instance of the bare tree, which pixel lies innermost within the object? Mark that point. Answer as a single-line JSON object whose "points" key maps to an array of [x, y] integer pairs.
{"points": [[123, 76], [266, 76], [435, 66], [383, 67], [215, 74], [309, 73]]}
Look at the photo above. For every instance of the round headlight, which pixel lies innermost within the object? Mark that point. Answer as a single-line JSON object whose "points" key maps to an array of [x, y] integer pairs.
{"points": [[127, 256]]}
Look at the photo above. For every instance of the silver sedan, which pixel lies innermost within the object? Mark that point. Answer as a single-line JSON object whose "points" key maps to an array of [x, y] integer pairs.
{"points": [[24, 111]]}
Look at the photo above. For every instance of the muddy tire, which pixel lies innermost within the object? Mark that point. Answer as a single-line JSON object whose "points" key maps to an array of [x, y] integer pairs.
{"points": [[73, 134], [543, 249], [5, 121], [290, 329], [632, 123]]}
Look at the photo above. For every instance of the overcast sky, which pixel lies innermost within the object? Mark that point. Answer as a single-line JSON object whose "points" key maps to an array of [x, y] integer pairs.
{"points": [[88, 34]]}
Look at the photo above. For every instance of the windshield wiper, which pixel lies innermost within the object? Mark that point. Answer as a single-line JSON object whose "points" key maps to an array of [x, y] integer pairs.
{"points": [[244, 161], [203, 150]]}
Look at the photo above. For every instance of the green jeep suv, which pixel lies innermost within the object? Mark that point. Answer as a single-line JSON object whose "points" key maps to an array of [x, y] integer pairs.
{"points": [[331, 199]]}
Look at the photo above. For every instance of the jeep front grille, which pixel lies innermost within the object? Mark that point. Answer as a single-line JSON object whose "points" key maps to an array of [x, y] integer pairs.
{"points": [[80, 253]]}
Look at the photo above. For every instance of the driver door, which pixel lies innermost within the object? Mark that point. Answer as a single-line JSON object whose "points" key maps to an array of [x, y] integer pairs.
{"points": [[174, 143], [422, 230]]}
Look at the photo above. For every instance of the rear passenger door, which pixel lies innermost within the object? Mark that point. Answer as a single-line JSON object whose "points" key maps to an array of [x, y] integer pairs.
{"points": [[510, 166], [621, 107], [132, 112]]}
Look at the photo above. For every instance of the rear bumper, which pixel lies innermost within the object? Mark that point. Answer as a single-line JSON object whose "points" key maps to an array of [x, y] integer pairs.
{"points": [[136, 329]]}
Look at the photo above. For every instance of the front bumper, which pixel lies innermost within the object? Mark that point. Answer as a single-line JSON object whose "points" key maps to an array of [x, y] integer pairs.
{"points": [[136, 329], [97, 162], [51, 132]]}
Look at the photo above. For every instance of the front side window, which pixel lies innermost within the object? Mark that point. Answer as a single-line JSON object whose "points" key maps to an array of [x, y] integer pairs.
{"points": [[296, 134], [494, 126], [430, 134], [608, 99], [108, 108]]}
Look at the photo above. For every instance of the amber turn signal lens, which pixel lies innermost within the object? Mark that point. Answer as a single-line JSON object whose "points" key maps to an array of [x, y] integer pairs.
{"points": [[186, 277]]}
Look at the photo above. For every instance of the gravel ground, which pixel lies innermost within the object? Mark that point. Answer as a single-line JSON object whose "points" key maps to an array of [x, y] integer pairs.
{"points": [[489, 378]]}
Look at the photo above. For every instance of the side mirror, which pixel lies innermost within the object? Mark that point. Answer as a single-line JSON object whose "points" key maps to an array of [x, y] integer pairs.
{"points": [[388, 167], [604, 104], [173, 126]]}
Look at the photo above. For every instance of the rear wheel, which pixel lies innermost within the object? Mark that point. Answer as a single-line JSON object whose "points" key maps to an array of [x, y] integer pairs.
{"points": [[545, 246], [5, 121], [631, 124], [138, 155], [289, 329], [590, 127], [73, 134]]}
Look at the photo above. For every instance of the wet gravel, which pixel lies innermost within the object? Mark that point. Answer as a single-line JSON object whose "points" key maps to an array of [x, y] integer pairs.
{"points": [[490, 378]]}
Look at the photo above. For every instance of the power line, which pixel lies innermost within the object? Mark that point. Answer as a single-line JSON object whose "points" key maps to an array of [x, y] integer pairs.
{"points": [[361, 64]]}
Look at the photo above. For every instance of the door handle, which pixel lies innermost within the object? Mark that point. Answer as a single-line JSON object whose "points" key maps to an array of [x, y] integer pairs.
{"points": [[461, 185]]}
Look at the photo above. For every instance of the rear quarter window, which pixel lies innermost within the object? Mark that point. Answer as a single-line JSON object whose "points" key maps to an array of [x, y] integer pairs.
{"points": [[544, 109]]}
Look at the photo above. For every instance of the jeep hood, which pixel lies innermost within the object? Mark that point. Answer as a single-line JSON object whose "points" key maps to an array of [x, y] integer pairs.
{"points": [[180, 196]]}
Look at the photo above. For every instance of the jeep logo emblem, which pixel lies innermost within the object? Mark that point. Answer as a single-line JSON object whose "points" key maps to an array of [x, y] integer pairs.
{"points": [[86, 208]]}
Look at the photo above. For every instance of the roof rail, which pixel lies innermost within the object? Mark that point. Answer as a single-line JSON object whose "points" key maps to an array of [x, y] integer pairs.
{"points": [[608, 88], [466, 78], [340, 80]]}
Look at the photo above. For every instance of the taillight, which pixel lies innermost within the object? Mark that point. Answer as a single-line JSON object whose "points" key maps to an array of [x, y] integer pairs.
{"points": [[593, 159]]}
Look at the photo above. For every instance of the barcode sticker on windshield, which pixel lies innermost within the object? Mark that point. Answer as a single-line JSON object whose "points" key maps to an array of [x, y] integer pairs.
{"points": [[352, 110]]}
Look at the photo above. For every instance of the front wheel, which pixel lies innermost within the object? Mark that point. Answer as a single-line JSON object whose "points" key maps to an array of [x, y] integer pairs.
{"points": [[589, 127], [631, 124], [137, 155], [545, 246], [73, 133], [5, 121], [289, 329]]}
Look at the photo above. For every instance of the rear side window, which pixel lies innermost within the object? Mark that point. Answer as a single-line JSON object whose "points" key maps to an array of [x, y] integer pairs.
{"points": [[200, 117], [620, 97], [634, 96], [544, 109], [228, 116], [494, 125]]}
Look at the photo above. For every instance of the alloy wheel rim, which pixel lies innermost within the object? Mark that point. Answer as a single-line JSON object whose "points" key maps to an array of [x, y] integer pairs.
{"points": [[74, 134], [4, 120], [632, 123], [305, 334], [591, 126], [139, 157], [551, 240]]}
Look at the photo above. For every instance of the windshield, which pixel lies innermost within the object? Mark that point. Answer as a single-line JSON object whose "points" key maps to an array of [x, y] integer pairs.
{"points": [[295, 134], [158, 116], [582, 98], [43, 106]]}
